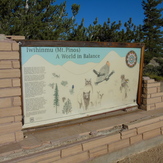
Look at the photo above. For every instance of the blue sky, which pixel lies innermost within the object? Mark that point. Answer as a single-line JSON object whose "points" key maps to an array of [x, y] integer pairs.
{"points": [[103, 9]]}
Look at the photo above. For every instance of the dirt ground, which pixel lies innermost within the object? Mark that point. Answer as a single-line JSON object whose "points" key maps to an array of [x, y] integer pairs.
{"points": [[153, 155]]}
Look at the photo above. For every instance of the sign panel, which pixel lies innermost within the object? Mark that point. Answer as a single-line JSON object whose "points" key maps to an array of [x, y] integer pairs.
{"points": [[65, 83]]}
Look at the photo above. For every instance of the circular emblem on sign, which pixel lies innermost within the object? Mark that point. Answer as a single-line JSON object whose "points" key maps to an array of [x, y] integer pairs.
{"points": [[131, 59]]}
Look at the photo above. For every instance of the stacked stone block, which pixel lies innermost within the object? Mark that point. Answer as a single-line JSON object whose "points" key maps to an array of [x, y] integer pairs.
{"points": [[132, 133], [10, 93], [152, 97]]}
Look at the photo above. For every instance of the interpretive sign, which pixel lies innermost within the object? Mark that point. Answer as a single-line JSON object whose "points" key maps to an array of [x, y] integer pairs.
{"points": [[71, 81]]}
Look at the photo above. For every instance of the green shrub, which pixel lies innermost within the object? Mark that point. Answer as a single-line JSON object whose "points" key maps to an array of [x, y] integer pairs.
{"points": [[149, 69], [154, 72], [156, 77]]}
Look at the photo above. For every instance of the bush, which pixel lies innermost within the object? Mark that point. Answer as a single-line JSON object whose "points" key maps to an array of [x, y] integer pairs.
{"points": [[149, 69], [157, 78], [154, 72]]}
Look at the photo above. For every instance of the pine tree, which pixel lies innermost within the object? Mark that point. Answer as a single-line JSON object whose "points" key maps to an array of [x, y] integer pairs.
{"points": [[56, 97], [129, 31], [107, 32], [36, 19], [138, 34], [78, 33], [153, 36], [94, 31]]}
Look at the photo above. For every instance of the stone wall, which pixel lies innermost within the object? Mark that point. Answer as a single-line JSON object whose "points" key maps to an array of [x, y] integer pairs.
{"points": [[132, 133], [11, 116], [10, 92], [152, 97]]}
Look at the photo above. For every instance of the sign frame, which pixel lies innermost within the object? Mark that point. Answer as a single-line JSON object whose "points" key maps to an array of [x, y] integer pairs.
{"points": [[48, 43]]}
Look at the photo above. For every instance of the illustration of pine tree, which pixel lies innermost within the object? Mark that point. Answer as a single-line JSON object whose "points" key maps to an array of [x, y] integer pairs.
{"points": [[56, 97], [67, 107]]}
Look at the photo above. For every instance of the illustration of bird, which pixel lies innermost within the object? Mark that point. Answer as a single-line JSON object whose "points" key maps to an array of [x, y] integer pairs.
{"points": [[103, 74], [98, 73]]}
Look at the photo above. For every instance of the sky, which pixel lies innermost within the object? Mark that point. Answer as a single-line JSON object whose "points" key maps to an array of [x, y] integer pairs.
{"points": [[103, 9]]}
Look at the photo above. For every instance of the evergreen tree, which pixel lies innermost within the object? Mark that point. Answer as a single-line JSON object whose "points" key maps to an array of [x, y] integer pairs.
{"points": [[129, 31], [36, 19], [138, 34], [108, 32], [78, 33], [153, 36], [94, 31], [56, 97]]}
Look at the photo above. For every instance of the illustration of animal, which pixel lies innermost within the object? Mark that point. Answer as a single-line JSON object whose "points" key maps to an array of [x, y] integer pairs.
{"points": [[88, 85], [103, 74], [55, 75], [64, 83], [63, 99], [98, 73], [51, 85], [80, 104], [85, 94], [99, 97], [86, 99], [124, 85]]}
